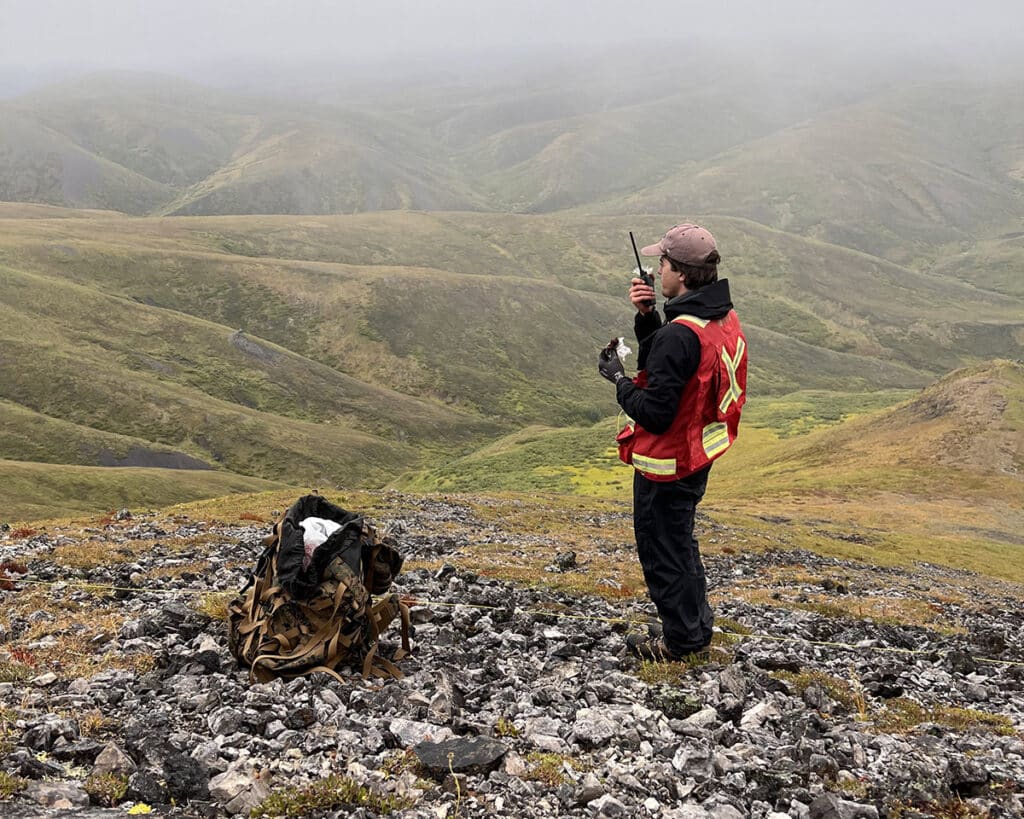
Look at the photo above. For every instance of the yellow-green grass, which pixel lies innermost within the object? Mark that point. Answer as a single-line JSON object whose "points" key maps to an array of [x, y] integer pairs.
{"points": [[335, 382], [293, 281], [899, 714], [32, 491], [27, 435], [887, 487]]}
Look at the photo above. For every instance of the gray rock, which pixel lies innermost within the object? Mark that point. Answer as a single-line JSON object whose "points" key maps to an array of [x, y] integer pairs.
{"points": [[967, 777], [82, 752], [186, 778], [756, 716], [594, 727], [705, 718], [113, 760], [608, 806], [447, 702], [824, 766], [725, 812], [590, 789], [687, 812], [461, 755], [143, 786], [44, 736], [410, 732], [226, 720], [238, 791], [58, 795], [830, 806]]}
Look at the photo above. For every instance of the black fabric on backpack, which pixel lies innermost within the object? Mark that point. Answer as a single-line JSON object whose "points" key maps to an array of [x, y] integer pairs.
{"points": [[346, 543]]}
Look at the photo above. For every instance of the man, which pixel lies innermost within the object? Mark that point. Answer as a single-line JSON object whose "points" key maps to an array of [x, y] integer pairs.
{"points": [[684, 407]]}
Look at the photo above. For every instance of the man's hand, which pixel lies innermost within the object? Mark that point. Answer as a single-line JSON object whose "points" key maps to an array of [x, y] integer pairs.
{"points": [[642, 296], [610, 366]]}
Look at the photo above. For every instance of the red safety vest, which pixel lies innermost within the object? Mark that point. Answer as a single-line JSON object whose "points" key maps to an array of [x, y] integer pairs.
{"points": [[708, 417]]}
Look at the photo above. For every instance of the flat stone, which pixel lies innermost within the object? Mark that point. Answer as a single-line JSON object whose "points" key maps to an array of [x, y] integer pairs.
{"points": [[594, 727], [705, 718], [81, 752], [461, 755], [410, 732], [239, 792], [57, 794], [830, 806]]}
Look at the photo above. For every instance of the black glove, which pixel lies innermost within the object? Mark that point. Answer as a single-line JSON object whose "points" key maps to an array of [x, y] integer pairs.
{"points": [[610, 366]]}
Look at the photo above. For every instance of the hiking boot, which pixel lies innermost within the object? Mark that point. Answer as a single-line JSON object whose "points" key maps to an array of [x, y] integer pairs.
{"points": [[651, 649], [654, 650]]}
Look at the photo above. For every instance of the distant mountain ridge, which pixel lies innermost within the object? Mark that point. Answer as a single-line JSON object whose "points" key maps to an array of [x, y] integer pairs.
{"points": [[893, 171]]}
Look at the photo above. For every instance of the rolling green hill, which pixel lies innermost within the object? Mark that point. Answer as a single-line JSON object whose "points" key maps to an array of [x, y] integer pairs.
{"points": [[338, 287], [936, 477], [113, 364], [533, 297], [32, 491], [146, 143], [265, 346], [894, 175]]}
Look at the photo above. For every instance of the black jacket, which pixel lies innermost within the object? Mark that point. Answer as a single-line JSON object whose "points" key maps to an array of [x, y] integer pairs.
{"points": [[671, 354]]}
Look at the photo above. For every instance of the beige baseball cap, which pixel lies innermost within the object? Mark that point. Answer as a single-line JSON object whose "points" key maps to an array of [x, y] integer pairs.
{"points": [[689, 244]]}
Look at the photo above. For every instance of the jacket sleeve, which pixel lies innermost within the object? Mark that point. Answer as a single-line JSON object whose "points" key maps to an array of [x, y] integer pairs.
{"points": [[645, 325], [672, 361]]}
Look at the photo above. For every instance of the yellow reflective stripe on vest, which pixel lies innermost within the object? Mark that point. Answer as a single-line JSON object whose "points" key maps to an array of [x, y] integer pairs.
{"points": [[655, 466], [715, 439], [731, 363], [694, 320]]}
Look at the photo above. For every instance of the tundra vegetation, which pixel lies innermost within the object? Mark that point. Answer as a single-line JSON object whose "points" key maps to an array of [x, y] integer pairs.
{"points": [[249, 298]]}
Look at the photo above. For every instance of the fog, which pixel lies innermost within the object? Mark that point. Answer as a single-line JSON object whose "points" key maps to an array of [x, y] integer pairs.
{"points": [[240, 41]]}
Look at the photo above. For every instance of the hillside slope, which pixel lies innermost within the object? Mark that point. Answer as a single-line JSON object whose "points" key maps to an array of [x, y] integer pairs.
{"points": [[938, 477], [895, 175], [349, 349]]}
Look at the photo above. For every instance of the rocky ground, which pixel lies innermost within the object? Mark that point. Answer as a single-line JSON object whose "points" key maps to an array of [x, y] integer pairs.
{"points": [[517, 701]]}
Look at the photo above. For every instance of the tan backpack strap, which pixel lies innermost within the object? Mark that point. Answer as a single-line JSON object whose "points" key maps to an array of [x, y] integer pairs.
{"points": [[406, 648], [275, 534], [384, 611], [386, 668], [325, 670]]}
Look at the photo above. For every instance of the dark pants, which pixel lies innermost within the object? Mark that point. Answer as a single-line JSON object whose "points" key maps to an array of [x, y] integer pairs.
{"points": [[663, 515]]}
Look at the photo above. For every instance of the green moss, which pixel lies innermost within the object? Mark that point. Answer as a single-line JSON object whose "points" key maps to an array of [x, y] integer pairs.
{"points": [[839, 690], [504, 728], [14, 672], [107, 789], [549, 768], [10, 785], [902, 715], [214, 605], [331, 793]]}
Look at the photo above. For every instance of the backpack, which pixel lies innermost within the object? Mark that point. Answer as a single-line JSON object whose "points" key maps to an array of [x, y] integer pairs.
{"points": [[304, 611]]}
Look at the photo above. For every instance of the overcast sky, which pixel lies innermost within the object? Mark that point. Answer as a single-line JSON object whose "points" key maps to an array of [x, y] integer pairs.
{"points": [[178, 33], [169, 32]]}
